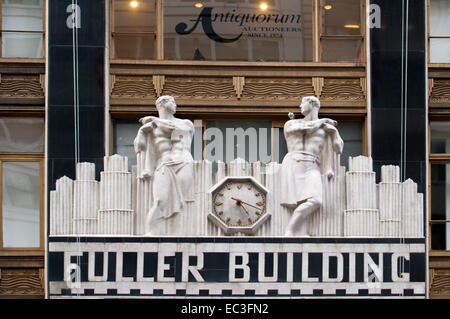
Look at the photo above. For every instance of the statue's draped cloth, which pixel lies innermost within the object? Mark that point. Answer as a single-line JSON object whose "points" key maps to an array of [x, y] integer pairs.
{"points": [[301, 178], [165, 173]]}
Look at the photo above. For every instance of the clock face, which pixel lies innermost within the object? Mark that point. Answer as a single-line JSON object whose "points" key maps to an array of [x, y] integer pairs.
{"points": [[239, 203]]}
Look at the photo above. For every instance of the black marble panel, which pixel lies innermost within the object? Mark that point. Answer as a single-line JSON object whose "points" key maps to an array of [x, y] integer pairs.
{"points": [[92, 22]]}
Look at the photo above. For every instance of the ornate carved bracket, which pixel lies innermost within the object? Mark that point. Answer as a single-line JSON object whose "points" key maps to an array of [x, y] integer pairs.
{"points": [[363, 83], [158, 84], [430, 86], [238, 82], [318, 83], [42, 81], [112, 83]]}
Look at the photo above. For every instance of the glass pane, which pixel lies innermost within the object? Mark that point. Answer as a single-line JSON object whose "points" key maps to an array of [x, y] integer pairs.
{"points": [[440, 202], [125, 132], [22, 15], [440, 137], [439, 237], [341, 50], [341, 17], [279, 144], [136, 47], [439, 18], [20, 204], [22, 45], [134, 29], [351, 133], [21, 135], [237, 30], [228, 140], [440, 50]]}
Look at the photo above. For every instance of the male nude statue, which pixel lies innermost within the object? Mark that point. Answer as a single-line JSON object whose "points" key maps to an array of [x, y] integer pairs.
{"points": [[301, 167], [166, 142]]}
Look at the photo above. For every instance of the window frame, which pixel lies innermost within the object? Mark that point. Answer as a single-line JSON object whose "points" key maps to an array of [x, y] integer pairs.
{"points": [[25, 157], [435, 158], [316, 36], [429, 37], [318, 25], [44, 25], [276, 124]]}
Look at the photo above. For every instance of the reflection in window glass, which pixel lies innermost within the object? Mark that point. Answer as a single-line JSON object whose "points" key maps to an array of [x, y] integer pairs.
{"points": [[439, 18], [21, 135], [440, 205], [439, 27], [351, 133], [124, 133], [20, 204], [341, 17], [134, 29], [238, 30], [228, 140], [440, 137], [23, 15], [440, 50], [341, 50]]}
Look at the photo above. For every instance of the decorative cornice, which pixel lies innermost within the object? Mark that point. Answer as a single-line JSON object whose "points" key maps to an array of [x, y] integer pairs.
{"points": [[22, 86]]}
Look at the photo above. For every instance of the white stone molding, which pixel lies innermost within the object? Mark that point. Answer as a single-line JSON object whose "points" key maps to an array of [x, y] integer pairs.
{"points": [[353, 204]]}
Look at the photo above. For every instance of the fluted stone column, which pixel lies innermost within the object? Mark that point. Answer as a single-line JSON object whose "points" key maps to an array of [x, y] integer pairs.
{"points": [[115, 216], [361, 218], [61, 207], [86, 196]]}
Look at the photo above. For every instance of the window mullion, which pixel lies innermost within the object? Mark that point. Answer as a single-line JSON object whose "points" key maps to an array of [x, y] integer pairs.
{"points": [[159, 47], [316, 31], [1, 202]]}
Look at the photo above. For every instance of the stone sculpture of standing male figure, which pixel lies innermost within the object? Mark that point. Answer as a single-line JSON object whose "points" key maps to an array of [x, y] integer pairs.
{"points": [[166, 143], [307, 141]]}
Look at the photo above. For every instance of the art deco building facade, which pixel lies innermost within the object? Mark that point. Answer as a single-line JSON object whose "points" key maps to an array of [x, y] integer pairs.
{"points": [[76, 76]]}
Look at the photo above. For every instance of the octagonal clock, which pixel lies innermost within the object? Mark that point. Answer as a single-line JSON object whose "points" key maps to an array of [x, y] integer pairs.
{"points": [[239, 204]]}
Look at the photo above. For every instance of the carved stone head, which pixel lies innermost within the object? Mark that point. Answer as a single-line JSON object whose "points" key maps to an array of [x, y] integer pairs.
{"points": [[167, 103], [308, 104]]}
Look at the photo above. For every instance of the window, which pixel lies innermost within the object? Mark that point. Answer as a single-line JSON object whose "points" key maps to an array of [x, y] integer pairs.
{"points": [[22, 189], [22, 30], [247, 30], [440, 185], [226, 140], [341, 31], [238, 30], [439, 23], [134, 29]]}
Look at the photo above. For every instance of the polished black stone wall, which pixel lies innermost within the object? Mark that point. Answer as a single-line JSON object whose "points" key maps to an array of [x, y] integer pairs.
{"points": [[399, 93], [61, 117]]}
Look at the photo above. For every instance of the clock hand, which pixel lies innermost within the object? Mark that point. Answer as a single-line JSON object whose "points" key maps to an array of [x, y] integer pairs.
{"points": [[250, 205], [246, 211], [239, 202]]}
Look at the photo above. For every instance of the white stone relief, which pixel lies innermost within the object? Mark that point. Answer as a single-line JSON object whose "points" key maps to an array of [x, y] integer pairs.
{"points": [[169, 194], [308, 158], [353, 205], [163, 146]]}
